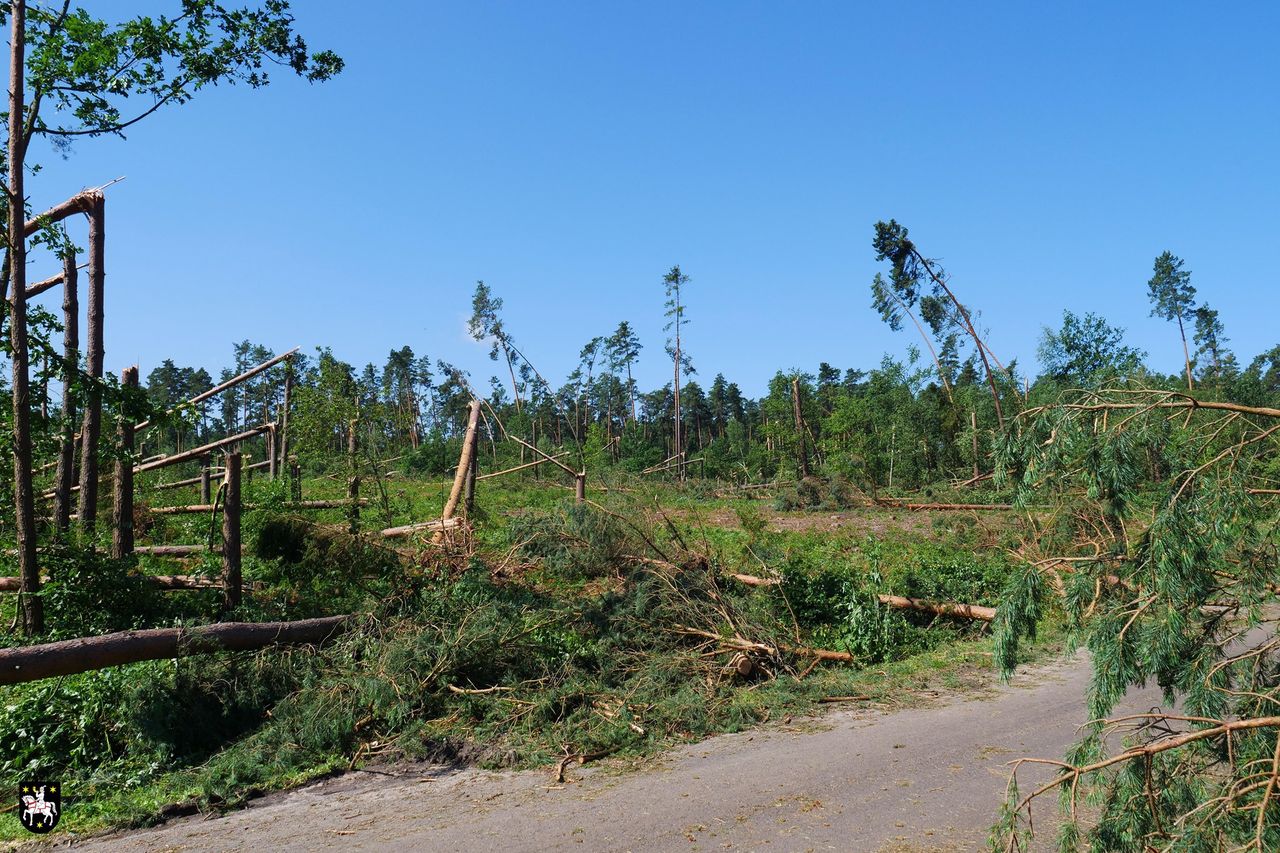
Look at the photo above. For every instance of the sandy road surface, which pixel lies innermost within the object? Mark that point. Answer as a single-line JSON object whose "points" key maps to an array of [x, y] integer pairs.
{"points": [[914, 780]]}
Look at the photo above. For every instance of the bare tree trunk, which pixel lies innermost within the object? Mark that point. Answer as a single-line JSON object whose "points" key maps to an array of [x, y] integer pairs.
{"points": [[68, 657], [206, 487], [23, 494], [580, 489], [515, 389], [273, 468], [92, 426], [946, 384], [122, 503], [284, 410], [469, 488], [464, 461], [70, 364], [973, 422], [1186, 353], [295, 477], [799, 418], [353, 483], [231, 579], [973, 333]]}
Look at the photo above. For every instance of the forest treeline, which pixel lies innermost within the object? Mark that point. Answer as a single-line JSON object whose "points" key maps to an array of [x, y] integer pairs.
{"points": [[904, 422]]}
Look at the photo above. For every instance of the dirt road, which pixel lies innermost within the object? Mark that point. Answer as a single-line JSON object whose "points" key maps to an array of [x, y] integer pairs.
{"points": [[926, 779]]}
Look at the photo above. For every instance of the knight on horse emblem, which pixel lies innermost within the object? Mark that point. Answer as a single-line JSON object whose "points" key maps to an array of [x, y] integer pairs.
{"points": [[38, 804]]}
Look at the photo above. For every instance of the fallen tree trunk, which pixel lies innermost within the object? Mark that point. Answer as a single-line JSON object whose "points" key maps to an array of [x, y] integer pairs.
{"points": [[11, 584], [230, 383], [942, 608], [977, 507], [68, 657], [197, 452], [295, 505], [435, 524]]}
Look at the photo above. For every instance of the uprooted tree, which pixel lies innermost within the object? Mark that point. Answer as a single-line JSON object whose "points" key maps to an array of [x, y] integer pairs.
{"points": [[1162, 544]]}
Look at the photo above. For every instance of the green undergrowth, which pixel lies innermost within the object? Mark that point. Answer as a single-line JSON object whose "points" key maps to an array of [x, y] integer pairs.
{"points": [[564, 630]]}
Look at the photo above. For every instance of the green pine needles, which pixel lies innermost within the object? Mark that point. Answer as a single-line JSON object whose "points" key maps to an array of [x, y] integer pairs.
{"points": [[1161, 539]]}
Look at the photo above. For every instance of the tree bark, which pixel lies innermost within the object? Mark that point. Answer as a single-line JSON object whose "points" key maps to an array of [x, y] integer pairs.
{"points": [[1186, 353], [92, 426], [206, 487], [353, 481], [122, 488], [68, 657], [230, 383], [197, 451], [464, 461], [469, 487], [23, 492], [284, 410], [231, 535], [973, 333], [799, 419], [66, 474]]}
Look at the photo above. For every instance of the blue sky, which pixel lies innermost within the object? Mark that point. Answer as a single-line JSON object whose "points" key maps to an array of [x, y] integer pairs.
{"points": [[570, 153]]}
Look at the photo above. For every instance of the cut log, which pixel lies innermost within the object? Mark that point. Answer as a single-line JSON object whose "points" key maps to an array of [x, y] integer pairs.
{"points": [[68, 657]]}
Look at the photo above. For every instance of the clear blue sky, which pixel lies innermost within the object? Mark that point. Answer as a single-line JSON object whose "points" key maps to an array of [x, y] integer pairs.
{"points": [[569, 153]]}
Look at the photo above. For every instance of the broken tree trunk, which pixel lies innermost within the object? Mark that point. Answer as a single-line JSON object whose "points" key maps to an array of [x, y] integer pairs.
{"points": [[469, 487], [353, 484], [230, 383], [196, 452], [206, 487], [66, 474], [464, 461], [285, 405], [92, 425], [522, 467], [68, 657], [799, 419], [122, 488], [23, 490], [231, 535]]}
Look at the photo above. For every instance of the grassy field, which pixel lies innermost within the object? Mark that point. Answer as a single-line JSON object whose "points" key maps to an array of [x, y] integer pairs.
{"points": [[605, 630]]}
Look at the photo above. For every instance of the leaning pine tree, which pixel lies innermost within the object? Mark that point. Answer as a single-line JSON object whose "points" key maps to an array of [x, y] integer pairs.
{"points": [[1162, 543]]}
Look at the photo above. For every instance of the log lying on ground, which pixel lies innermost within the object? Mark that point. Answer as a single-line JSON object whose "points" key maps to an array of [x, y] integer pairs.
{"points": [[892, 504], [942, 608], [435, 525], [68, 657], [162, 581], [737, 644], [294, 505]]}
